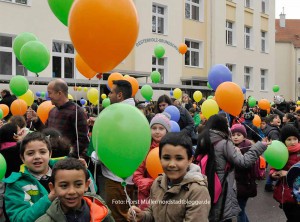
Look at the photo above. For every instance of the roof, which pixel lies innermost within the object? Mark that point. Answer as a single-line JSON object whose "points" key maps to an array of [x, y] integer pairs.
{"points": [[289, 33]]}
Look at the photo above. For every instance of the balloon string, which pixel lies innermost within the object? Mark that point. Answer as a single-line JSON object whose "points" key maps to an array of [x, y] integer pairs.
{"points": [[99, 98], [238, 119], [129, 202], [76, 117]]}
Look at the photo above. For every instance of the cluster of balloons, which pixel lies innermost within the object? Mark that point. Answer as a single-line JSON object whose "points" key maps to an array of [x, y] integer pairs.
{"points": [[32, 53], [173, 111]]}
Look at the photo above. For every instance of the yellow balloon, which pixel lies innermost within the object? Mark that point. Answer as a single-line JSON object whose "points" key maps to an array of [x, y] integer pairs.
{"points": [[103, 96], [95, 102], [197, 96], [177, 93], [93, 95], [70, 97], [85, 89], [85, 103], [298, 102], [209, 107], [28, 97], [79, 88], [126, 76]]}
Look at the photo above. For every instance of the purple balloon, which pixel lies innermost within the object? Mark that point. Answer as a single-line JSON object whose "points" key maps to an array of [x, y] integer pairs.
{"points": [[219, 74], [171, 93], [174, 126], [82, 101], [244, 90], [38, 94], [107, 86], [174, 112]]}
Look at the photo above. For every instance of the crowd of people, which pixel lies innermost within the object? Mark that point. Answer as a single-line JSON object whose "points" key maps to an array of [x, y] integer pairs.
{"points": [[209, 167]]}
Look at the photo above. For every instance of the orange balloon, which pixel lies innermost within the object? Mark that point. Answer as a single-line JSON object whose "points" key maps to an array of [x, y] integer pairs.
{"points": [[264, 104], [134, 84], [182, 48], [256, 121], [18, 107], [103, 32], [83, 68], [153, 164], [268, 111], [5, 109], [112, 77], [230, 98], [43, 110]]}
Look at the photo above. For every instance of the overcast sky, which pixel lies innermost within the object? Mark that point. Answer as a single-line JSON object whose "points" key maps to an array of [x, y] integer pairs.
{"points": [[291, 8]]}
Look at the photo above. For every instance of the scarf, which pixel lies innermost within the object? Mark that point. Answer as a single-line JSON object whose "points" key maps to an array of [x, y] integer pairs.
{"points": [[294, 149]]}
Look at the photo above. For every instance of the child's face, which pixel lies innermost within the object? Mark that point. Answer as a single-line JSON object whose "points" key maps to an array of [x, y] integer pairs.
{"points": [[157, 132], [263, 125], [175, 162], [291, 141], [69, 187], [276, 121], [36, 157], [237, 138]]}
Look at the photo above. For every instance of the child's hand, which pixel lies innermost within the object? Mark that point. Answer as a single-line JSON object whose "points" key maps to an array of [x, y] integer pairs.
{"points": [[52, 195], [276, 175], [139, 214], [83, 161]]}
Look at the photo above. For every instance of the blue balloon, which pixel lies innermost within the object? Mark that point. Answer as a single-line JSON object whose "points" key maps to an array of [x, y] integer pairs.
{"points": [[174, 112], [38, 94], [244, 90], [107, 86], [46, 96], [171, 93], [82, 101], [219, 74], [174, 126]]}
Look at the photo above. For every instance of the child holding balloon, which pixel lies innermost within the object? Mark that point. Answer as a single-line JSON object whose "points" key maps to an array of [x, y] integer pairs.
{"points": [[160, 126], [180, 194], [282, 193]]}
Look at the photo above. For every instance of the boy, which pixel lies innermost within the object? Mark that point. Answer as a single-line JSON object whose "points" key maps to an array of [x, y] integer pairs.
{"points": [[69, 181]]}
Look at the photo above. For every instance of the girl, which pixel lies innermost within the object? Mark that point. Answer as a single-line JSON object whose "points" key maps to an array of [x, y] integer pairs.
{"points": [[216, 143], [160, 125], [180, 194], [282, 193]]}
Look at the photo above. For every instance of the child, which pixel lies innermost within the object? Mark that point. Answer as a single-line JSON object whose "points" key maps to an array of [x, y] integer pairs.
{"points": [[282, 193], [69, 182], [245, 178], [293, 181], [160, 125], [180, 194]]}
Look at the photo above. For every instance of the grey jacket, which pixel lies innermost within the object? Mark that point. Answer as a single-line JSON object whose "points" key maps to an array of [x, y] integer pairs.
{"points": [[226, 151]]}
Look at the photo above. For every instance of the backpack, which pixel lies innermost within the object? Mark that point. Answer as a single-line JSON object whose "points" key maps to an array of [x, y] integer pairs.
{"points": [[202, 162], [259, 169]]}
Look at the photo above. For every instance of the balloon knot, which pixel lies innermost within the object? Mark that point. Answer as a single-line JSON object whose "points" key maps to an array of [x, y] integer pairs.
{"points": [[123, 183], [37, 75]]}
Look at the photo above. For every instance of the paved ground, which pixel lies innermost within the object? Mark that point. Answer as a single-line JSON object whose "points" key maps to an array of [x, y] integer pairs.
{"points": [[263, 208]]}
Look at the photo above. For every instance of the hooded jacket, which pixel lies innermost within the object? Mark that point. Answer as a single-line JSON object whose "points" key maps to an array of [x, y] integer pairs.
{"points": [[98, 210], [187, 201]]}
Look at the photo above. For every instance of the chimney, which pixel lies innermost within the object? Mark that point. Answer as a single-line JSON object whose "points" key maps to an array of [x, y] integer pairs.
{"points": [[282, 19]]}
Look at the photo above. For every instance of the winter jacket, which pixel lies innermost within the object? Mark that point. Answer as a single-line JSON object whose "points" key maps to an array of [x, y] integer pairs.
{"points": [[98, 210], [225, 151], [252, 131], [25, 197], [272, 132], [186, 121], [187, 201], [282, 192]]}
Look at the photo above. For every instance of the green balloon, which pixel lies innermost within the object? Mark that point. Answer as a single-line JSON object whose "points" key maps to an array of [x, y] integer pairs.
{"points": [[252, 101], [21, 40], [147, 92], [35, 56], [1, 114], [210, 97], [61, 9], [277, 154], [121, 138], [208, 85], [18, 85], [155, 77], [106, 102], [43, 94], [276, 88], [159, 51], [3, 167]]}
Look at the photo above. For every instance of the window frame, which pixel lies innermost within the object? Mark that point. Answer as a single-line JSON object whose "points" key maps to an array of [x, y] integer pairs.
{"points": [[246, 36], [263, 75], [28, 3], [248, 3], [229, 30], [264, 41], [200, 6], [248, 74], [265, 6], [157, 15], [157, 67], [191, 50]]}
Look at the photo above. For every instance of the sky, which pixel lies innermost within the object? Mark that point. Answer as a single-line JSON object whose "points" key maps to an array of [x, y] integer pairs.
{"points": [[291, 8]]}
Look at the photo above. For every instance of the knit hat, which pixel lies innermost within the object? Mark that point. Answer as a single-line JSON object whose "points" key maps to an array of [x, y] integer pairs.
{"points": [[162, 119], [239, 128], [249, 115], [287, 131]]}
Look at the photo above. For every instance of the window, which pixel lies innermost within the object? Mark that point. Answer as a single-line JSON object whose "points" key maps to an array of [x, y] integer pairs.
{"points": [[247, 34], [248, 3], [263, 79], [264, 6], [194, 57], [248, 77], [159, 15], [194, 9], [231, 67], [62, 60], [9, 64], [160, 66], [229, 33], [264, 41], [22, 2], [298, 60]]}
